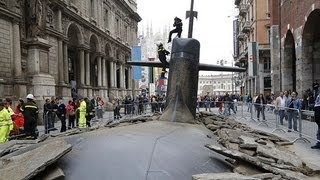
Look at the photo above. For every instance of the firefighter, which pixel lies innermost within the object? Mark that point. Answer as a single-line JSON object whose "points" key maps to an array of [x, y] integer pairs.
{"points": [[162, 55], [178, 24], [83, 110], [6, 124], [30, 112]]}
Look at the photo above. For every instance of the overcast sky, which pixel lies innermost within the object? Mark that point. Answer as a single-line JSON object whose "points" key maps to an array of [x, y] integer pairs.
{"points": [[213, 28]]}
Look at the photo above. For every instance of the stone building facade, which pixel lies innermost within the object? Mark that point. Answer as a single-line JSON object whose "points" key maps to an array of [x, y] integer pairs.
{"points": [[67, 47], [218, 84], [253, 25], [295, 34]]}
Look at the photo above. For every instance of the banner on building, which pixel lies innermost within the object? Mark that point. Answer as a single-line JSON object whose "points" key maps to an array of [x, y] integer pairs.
{"points": [[136, 56], [252, 58]]}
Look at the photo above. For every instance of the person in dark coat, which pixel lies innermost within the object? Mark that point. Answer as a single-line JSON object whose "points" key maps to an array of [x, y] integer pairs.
{"points": [[30, 112], [61, 113], [260, 105], [178, 28]]}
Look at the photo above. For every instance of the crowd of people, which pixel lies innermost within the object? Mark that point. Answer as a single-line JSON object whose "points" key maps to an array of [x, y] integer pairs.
{"points": [[21, 123]]}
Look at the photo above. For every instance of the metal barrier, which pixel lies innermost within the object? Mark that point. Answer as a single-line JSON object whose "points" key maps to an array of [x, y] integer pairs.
{"points": [[301, 122]]}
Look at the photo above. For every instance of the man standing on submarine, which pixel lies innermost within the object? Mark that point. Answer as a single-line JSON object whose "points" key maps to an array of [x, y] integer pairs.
{"points": [[162, 55], [178, 28]]}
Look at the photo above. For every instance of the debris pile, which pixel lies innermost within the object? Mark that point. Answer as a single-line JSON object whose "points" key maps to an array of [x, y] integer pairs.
{"points": [[254, 154]]}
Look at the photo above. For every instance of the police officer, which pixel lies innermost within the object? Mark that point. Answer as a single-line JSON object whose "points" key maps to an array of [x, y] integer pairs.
{"points": [[162, 55], [178, 24], [30, 112], [6, 124]]}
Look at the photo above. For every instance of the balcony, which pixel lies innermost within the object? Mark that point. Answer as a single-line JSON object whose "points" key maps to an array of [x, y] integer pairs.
{"points": [[243, 9], [241, 36], [246, 27]]}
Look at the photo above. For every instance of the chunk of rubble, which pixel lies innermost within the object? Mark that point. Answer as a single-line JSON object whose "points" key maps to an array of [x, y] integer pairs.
{"points": [[30, 163], [239, 156], [54, 173], [286, 156], [222, 176]]}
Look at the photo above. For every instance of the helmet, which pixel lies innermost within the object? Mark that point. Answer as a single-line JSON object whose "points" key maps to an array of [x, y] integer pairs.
{"points": [[30, 96]]}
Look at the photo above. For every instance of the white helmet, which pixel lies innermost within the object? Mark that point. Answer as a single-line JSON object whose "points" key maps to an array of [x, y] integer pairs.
{"points": [[30, 96]]}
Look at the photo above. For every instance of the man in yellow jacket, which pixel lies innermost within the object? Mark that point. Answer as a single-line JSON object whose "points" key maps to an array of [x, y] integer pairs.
{"points": [[6, 124], [83, 110]]}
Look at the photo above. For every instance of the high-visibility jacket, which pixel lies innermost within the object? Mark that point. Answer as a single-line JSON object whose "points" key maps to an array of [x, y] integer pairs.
{"points": [[6, 125], [10, 111], [83, 110]]}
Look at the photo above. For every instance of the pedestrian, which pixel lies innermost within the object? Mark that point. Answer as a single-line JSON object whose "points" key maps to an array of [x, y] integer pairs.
{"points": [[317, 120], [280, 107], [249, 102], [30, 112], [71, 114], [207, 102], [294, 107], [82, 113], [162, 55], [46, 111], [61, 113], [260, 106], [5, 123], [315, 87], [99, 108], [178, 28]]}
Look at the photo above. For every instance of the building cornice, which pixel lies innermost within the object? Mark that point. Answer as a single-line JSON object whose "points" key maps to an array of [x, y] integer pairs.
{"points": [[4, 12]]}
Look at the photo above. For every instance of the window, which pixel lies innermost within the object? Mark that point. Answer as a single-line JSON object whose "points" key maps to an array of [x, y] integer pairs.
{"points": [[267, 65], [268, 8], [125, 33], [92, 8], [106, 19], [269, 34], [118, 26], [267, 82]]}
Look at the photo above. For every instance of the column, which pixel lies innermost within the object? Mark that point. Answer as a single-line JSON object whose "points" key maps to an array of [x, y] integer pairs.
{"points": [[99, 71], [16, 50], [82, 67], [65, 63], [60, 62], [104, 73], [115, 74], [121, 76], [111, 74], [130, 77], [59, 21], [88, 68]]}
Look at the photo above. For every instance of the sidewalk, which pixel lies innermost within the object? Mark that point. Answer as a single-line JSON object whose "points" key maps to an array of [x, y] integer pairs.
{"points": [[300, 147]]}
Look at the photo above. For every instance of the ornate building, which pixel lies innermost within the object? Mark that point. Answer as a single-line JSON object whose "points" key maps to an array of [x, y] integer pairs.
{"points": [[67, 47], [295, 44]]}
